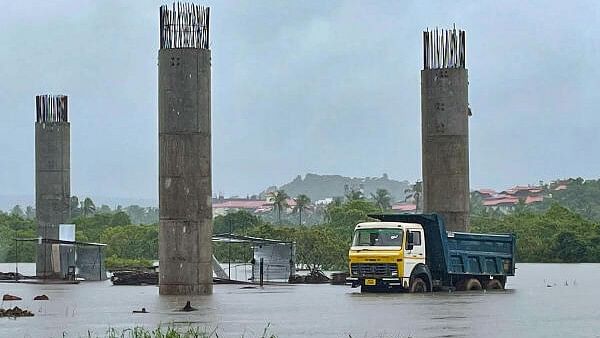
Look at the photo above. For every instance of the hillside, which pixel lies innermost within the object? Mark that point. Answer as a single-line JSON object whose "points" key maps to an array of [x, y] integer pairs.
{"points": [[319, 187]]}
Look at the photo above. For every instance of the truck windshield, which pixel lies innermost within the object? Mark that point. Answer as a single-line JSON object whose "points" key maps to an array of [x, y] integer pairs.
{"points": [[377, 237]]}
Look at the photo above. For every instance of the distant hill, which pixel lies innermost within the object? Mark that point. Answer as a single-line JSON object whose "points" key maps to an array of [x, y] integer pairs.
{"points": [[319, 187]]}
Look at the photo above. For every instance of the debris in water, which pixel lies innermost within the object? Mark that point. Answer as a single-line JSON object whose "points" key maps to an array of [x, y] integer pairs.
{"points": [[15, 312], [41, 297], [10, 297], [141, 311], [188, 307]]}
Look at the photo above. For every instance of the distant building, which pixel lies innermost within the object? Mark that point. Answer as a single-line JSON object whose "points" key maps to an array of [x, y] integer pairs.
{"points": [[508, 199], [404, 207], [485, 193], [222, 206]]}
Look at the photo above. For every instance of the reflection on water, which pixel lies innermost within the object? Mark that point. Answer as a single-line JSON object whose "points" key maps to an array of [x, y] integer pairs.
{"points": [[542, 300]]}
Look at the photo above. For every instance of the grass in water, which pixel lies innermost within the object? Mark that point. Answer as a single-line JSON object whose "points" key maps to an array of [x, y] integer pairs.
{"points": [[166, 332]]}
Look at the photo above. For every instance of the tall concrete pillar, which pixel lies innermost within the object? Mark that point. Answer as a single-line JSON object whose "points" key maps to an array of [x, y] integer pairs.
{"points": [[52, 180], [185, 239], [445, 127]]}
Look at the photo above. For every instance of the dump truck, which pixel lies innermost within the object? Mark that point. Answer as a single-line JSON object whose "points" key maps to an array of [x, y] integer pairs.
{"points": [[415, 253]]}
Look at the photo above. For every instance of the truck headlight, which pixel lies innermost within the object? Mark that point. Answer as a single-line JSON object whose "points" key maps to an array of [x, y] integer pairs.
{"points": [[394, 273]]}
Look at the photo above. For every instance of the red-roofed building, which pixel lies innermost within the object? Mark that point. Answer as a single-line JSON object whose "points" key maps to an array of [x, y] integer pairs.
{"points": [[485, 193], [534, 199], [404, 207], [523, 191], [223, 206]]}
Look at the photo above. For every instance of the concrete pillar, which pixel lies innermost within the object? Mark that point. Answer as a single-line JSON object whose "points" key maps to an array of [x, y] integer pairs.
{"points": [[445, 128], [184, 123], [52, 178]]}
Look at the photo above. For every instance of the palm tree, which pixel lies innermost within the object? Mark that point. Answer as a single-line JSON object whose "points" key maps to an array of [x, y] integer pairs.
{"points": [[279, 200], [382, 198], [353, 195], [88, 207], [302, 202], [415, 191]]}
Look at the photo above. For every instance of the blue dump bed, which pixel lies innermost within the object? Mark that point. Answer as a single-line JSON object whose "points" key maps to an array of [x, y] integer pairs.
{"points": [[452, 254], [481, 254]]}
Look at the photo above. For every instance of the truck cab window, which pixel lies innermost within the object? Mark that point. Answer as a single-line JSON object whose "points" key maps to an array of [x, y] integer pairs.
{"points": [[377, 237], [416, 235]]}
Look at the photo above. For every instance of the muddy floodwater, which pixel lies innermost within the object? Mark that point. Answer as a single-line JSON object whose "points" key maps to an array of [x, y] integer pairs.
{"points": [[543, 300]]}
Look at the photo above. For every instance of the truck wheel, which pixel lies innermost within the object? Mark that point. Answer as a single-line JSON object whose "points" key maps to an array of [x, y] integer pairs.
{"points": [[472, 284], [417, 285], [493, 284]]}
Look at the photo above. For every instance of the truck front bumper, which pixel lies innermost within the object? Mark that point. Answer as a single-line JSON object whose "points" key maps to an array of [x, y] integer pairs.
{"points": [[381, 281]]}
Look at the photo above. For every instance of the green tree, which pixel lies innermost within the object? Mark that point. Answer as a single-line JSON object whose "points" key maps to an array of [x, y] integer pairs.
{"points": [[350, 213], [382, 199], [354, 195], [119, 218], [88, 207], [279, 199], [416, 193], [104, 209], [74, 206], [302, 203], [235, 221], [29, 212], [131, 241], [569, 248], [17, 211]]}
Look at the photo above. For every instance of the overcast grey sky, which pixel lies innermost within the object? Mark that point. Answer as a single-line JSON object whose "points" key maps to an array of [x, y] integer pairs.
{"points": [[307, 86]]}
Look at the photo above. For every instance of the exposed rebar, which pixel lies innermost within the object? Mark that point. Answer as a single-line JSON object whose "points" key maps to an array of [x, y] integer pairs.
{"points": [[444, 48], [51, 108], [185, 25]]}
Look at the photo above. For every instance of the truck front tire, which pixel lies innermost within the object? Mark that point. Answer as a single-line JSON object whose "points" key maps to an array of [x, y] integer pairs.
{"points": [[417, 285]]}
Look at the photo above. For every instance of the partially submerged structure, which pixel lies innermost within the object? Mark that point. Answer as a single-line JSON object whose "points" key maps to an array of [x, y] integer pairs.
{"points": [[277, 257], [82, 260]]}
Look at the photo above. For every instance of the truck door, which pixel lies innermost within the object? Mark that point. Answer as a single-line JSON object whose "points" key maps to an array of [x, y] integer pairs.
{"points": [[417, 254]]}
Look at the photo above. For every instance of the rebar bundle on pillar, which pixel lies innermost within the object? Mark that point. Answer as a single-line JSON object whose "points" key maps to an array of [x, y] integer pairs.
{"points": [[445, 127], [184, 82], [52, 181]]}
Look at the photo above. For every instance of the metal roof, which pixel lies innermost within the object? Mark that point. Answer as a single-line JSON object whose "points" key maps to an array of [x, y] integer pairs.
{"points": [[232, 238], [57, 241]]}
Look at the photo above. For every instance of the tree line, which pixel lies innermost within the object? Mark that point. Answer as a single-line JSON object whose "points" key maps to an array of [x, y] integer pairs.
{"points": [[563, 230]]}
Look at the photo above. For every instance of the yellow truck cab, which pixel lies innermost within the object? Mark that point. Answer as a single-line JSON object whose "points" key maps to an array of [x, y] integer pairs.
{"points": [[381, 256]]}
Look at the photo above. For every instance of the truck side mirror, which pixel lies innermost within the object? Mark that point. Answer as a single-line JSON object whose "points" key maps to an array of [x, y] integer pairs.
{"points": [[410, 239]]}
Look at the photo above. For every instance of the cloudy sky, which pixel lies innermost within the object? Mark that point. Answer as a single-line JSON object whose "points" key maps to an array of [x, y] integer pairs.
{"points": [[330, 87]]}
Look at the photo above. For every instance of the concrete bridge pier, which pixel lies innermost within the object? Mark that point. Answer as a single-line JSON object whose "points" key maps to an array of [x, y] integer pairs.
{"points": [[185, 187]]}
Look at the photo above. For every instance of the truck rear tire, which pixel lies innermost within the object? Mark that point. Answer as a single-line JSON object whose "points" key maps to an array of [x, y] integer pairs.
{"points": [[472, 284], [494, 284], [417, 285]]}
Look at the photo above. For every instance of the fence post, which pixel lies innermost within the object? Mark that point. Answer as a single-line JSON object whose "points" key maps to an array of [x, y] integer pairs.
{"points": [[261, 271]]}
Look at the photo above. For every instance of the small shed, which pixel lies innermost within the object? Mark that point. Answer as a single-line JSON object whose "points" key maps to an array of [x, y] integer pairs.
{"points": [[278, 257], [84, 259]]}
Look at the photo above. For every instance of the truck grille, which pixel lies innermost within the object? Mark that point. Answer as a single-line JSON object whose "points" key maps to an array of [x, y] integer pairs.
{"points": [[373, 269]]}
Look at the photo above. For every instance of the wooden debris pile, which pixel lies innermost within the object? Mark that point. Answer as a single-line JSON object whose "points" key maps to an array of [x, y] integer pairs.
{"points": [[339, 278], [15, 312], [14, 276], [314, 277], [134, 278]]}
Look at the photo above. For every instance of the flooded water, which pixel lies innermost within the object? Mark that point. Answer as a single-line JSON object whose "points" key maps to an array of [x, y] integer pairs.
{"points": [[543, 300]]}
